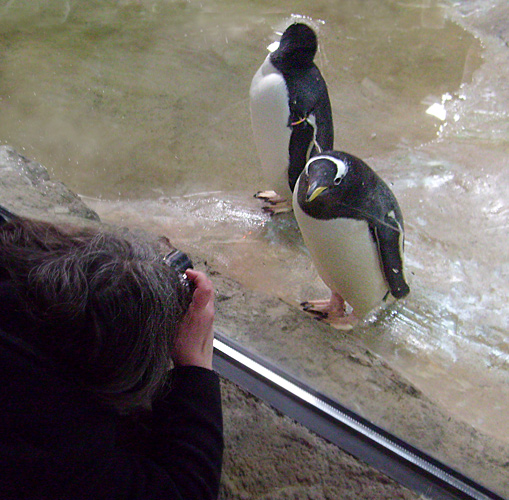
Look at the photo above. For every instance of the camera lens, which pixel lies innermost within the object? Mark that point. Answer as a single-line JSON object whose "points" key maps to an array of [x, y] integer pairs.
{"points": [[180, 261]]}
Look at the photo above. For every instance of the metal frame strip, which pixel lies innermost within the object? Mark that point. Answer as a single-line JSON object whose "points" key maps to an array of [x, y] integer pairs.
{"points": [[342, 427]]}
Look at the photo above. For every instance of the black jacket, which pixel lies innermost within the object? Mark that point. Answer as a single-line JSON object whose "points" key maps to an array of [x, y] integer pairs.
{"points": [[57, 443]]}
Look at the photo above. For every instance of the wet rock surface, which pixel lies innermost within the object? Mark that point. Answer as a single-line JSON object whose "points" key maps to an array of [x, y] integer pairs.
{"points": [[26, 189], [269, 456]]}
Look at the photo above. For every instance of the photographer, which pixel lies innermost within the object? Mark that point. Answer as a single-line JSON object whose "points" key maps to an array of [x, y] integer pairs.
{"points": [[107, 389]]}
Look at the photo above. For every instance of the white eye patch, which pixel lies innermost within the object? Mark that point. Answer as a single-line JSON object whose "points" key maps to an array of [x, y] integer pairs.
{"points": [[273, 46], [341, 167]]}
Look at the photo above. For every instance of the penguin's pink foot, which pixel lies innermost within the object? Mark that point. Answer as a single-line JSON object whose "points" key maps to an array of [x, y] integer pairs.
{"points": [[331, 311], [275, 204], [269, 196], [277, 208]]}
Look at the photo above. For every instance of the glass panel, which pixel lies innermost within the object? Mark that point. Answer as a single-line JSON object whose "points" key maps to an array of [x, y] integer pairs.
{"points": [[142, 106]]}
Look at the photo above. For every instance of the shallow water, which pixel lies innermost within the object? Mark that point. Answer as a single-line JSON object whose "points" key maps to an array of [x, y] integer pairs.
{"points": [[142, 106], [136, 98]]}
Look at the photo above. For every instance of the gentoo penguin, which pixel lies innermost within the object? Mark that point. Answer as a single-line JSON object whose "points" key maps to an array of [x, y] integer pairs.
{"points": [[290, 112], [5, 215], [352, 226]]}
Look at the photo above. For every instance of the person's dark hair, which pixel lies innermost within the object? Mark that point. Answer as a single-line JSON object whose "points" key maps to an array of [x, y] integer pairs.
{"points": [[104, 306]]}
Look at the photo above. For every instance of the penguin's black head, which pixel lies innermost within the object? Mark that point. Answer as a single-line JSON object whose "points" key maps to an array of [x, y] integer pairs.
{"points": [[297, 48], [324, 185], [323, 174]]}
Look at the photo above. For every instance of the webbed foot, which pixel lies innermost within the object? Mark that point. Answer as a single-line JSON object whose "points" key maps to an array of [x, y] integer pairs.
{"points": [[331, 311], [274, 203]]}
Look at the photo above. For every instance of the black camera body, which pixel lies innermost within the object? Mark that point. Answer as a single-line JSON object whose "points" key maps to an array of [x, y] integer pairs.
{"points": [[180, 261]]}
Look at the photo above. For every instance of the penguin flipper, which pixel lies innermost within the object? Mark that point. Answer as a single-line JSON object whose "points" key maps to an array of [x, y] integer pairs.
{"points": [[389, 240], [299, 149], [5, 215]]}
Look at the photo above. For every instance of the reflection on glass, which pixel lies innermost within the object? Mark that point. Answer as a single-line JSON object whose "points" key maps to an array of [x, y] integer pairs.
{"points": [[145, 105]]}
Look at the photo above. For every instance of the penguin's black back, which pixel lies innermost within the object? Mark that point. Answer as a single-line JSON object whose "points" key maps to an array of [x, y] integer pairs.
{"points": [[307, 95]]}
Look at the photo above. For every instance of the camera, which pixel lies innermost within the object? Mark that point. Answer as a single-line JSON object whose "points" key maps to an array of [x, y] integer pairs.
{"points": [[180, 261]]}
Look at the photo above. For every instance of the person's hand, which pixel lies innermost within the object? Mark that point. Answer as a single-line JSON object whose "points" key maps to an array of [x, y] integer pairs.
{"points": [[194, 345]]}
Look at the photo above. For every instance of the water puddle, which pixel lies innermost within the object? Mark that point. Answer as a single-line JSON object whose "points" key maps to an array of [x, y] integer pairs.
{"points": [[131, 99]]}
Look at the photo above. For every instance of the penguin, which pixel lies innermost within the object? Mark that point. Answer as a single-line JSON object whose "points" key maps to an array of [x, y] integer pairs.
{"points": [[353, 228], [6, 216], [291, 113]]}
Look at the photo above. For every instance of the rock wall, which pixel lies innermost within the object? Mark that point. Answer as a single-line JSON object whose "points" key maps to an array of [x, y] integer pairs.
{"points": [[26, 189]]}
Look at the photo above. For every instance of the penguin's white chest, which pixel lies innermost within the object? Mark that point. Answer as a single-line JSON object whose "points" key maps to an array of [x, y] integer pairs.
{"points": [[269, 118], [346, 258]]}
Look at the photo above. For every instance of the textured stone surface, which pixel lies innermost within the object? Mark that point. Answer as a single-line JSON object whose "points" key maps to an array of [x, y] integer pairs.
{"points": [[26, 188]]}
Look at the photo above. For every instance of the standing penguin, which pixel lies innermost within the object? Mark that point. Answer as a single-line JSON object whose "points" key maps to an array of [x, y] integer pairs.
{"points": [[353, 228], [290, 112]]}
